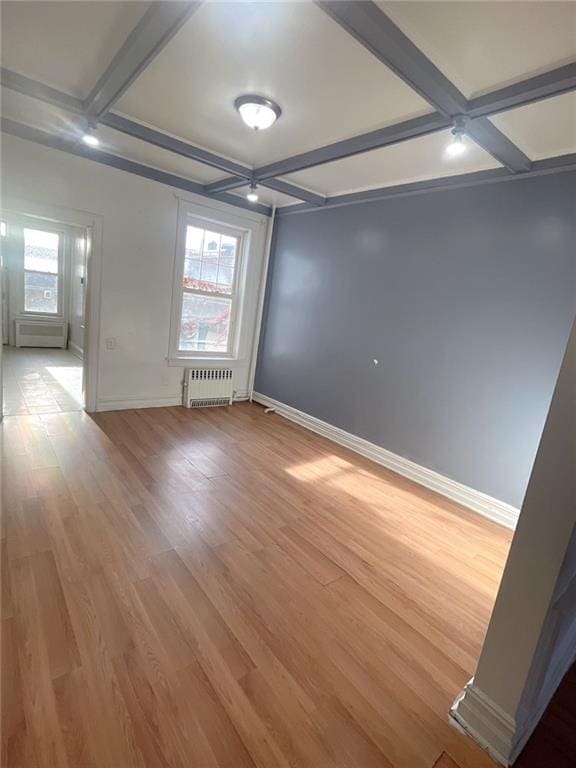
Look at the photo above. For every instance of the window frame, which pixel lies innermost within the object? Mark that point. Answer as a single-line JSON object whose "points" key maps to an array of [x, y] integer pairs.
{"points": [[187, 218], [59, 314]]}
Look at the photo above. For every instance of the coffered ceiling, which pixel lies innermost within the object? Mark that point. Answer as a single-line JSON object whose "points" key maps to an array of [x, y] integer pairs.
{"points": [[328, 70]]}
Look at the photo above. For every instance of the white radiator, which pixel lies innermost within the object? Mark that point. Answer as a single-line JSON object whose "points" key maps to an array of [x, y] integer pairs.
{"points": [[41, 333], [205, 387]]}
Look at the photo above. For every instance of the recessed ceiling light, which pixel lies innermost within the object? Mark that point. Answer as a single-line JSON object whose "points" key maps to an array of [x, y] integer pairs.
{"points": [[91, 140], [257, 112], [252, 195]]}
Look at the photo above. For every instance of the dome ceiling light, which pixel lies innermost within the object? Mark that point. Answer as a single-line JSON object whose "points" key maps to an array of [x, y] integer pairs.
{"points": [[257, 112]]}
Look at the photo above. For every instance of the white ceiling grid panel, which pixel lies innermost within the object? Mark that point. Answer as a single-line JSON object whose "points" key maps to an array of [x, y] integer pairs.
{"points": [[544, 129], [481, 46], [65, 44], [328, 86], [415, 160], [50, 119]]}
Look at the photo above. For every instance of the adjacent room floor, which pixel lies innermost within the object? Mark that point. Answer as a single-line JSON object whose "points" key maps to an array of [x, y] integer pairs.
{"points": [[41, 381], [220, 588]]}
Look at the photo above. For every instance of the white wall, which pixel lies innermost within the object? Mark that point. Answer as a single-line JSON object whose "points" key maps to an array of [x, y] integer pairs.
{"points": [[531, 639], [138, 248]]}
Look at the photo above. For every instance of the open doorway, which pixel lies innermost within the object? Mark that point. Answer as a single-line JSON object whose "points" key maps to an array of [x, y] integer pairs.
{"points": [[44, 284]]}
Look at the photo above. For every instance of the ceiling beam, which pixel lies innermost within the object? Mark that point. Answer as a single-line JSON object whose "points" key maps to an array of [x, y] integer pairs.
{"points": [[223, 185], [36, 90], [375, 31], [559, 164], [531, 90], [553, 83], [233, 182], [339, 150], [487, 136], [158, 25], [79, 149], [242, 174], [278, 185], [171, 144], [368, 24]]}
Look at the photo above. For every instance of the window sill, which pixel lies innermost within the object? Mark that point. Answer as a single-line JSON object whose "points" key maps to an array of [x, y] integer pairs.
{"points": [[207, 362]]}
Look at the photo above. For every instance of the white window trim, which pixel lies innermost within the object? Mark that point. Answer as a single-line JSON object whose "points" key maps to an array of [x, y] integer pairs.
{"points": [[63, 244], [14, 261], [249, 231]]}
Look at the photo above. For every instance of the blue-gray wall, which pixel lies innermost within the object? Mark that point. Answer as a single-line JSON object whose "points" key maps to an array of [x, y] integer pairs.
{"points": [[466, 300]]}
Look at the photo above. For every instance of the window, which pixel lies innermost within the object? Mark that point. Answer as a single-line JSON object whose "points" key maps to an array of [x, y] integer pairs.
{"points": [[209, 290], [41, 271], [216, 285]]}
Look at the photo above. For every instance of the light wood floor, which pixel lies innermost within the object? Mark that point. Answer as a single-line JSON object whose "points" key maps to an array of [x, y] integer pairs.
{"points": [[223, 589]]}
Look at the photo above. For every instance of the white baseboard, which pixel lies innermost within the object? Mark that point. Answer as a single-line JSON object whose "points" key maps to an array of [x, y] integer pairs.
{"points": [[478, 716], [76, 350], [127, 405], [161, 402], [485, 505]]}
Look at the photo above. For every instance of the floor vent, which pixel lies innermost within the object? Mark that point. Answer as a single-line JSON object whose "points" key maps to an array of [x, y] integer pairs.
{"points": [[207, 387], [41, 333]]}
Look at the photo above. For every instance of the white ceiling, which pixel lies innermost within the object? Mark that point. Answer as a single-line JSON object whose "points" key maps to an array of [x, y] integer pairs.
{"points": [[416, 160], [52, 120], [543, 129], [268, 196], [67, 45], [481, 46], [328, 85]]}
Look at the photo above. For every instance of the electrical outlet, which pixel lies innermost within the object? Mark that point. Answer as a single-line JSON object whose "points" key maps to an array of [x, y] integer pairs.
{"points": [[111, 343]]}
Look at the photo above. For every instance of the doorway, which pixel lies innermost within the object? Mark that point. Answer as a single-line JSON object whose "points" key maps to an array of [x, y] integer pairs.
{"points": [[44, 308]]}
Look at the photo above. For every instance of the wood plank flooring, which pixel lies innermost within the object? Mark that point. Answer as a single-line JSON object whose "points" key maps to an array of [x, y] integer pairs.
{"points": [[223, 589]]}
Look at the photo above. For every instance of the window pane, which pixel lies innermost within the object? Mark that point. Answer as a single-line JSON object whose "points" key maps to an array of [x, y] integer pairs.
{"points": [[192, 269], [40, 292], [205, 323], [209, 261], [194, 238], [211, 243], [41, 251]]}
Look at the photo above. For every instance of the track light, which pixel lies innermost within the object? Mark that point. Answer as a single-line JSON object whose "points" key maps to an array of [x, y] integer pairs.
{"points": [[252, 195], [90, 139], [457, 146]]}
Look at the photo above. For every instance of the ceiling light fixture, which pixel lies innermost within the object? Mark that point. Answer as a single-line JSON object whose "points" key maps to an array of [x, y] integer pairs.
{"points": [[257, 112], [252, 195], [90, 139], [457, 146]]}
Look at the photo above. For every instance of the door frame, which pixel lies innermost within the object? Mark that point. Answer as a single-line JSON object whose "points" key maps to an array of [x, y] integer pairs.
{"points": [[93, 223]]}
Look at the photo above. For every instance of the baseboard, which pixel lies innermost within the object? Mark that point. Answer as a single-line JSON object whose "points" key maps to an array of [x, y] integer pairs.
{"points": [[478, 716], [76, 350], [134, 403], [485, 505]]}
